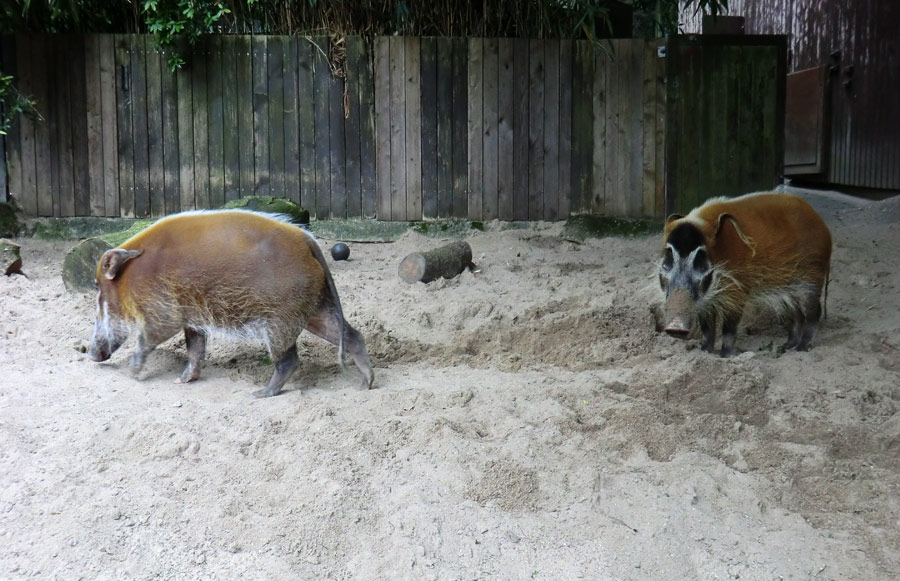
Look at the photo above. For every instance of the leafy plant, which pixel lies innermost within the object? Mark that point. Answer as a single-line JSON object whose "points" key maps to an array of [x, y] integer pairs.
{"points": [[14, 103], [170, 20]]}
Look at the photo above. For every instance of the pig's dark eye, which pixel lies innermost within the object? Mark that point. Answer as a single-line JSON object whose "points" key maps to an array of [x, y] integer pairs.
{"points": [[668, 260], [706, 282]]}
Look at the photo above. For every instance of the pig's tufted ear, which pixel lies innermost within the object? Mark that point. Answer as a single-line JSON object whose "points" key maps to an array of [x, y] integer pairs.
{"points": [[113, 260]]}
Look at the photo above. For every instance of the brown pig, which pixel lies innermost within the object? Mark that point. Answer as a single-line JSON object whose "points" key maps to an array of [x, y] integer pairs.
{"points": [[765, 247], [232, 270]]}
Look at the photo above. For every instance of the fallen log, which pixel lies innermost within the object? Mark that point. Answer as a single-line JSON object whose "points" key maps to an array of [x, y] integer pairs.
{"points": [[10, 258], [445, 261]]}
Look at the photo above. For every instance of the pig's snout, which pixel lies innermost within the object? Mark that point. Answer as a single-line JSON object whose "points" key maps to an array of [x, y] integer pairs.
{"points": [[677, 328], [99, 351], [105, 341], [679, 312]]}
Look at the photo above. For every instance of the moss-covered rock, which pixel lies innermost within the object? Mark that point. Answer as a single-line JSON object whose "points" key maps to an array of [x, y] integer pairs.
{"points": [[588, 226], [10, 223], [80, 264], [76, 228], [116, 238], [272, 205]]}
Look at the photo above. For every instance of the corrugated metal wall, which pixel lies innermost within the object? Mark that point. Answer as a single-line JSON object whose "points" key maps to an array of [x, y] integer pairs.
{"points": [[864, 76]]}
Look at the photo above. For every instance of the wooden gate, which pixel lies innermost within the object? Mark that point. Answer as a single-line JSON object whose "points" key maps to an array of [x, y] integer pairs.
{"points": [[724, 116]]}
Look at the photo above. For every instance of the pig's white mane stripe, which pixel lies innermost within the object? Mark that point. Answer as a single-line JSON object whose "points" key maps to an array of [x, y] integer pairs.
{"points": [[282, 218]]}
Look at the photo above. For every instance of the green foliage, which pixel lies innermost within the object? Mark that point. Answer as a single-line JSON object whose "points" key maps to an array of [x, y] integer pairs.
{"points": [[188, 19], [169, 20], [13, 103]]}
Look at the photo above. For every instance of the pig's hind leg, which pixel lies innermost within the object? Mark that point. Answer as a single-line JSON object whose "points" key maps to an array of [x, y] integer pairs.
{"points": [[195, 342]]}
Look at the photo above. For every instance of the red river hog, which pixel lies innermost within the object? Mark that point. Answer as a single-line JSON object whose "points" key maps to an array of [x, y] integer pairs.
{"points": [[767, 248], [230, 270]]}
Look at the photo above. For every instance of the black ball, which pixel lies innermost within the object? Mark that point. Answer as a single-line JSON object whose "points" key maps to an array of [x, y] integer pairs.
{"points": [[340, 251]]}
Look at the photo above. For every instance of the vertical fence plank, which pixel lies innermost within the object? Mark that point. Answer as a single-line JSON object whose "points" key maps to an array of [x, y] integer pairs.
{"points": [[620, 195], [124, 123], [634, 130], [535, 129], [275, 75], [382, 129], [156, 128], [413, 120], [42, 136], [397, 107], [30, 56], [291, 120], [734, 100], [505, 119], [367, 178], [648, 133], [490, 145], [64, 196], [81, 187], [476, 128], [94, 119], [583, 132], [10, 172], [660, 138], [520, 88], [245, 124], [459, 122], [199, 58], [444, 126], [355, 47], [187, 199], [11, 145], [141, 128], [51, 204], [430, 192], [322, 82], [338, 147], [307, 122], [613, 115], [108, 119], [748, 123], [171, 149], [215, 117], [259, 76], [565, 128], [551, 130], [231, 156]]}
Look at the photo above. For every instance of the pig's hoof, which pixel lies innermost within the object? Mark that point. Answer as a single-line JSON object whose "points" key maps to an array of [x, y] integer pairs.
{"points": [[187, 377], [262, 393]]}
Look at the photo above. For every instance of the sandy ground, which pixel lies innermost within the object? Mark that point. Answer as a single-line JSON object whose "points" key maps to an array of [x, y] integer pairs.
{"points": [[527, 422]]}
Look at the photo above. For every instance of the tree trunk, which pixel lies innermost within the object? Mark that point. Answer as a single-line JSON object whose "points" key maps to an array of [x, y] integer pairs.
{"points": [[445, 261]]}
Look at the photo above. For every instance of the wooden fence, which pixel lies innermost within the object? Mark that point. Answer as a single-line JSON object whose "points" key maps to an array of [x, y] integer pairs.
{"points": [[405, 129]]}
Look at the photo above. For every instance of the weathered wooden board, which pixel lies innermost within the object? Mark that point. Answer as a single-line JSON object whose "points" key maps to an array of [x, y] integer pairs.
{"points": [[382, 80], [429, 110], [476, 129], [215, 116], [506, 99]]}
